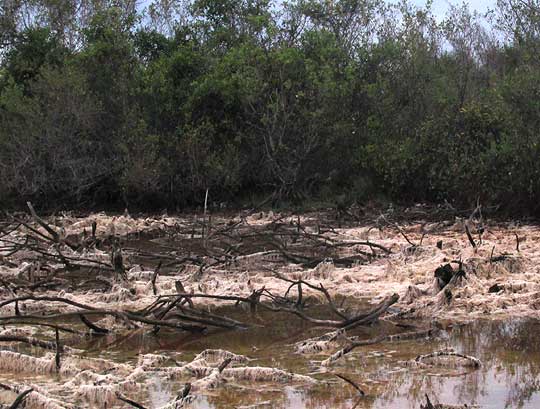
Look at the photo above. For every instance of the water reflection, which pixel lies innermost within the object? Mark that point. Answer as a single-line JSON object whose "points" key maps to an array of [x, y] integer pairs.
{"points": [[509, 377]]}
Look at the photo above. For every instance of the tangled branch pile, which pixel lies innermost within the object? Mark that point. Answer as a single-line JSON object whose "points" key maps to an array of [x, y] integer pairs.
{"points": [[64, 279]]}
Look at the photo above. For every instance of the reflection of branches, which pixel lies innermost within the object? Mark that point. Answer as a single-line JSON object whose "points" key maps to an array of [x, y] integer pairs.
{"points": [[508, 351]]}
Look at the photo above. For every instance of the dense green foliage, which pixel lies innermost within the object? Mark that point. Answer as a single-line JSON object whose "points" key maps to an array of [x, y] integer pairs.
{"points": [[102, 102]]}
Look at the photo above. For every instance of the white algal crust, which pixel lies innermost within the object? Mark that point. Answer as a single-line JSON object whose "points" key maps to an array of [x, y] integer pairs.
{"points": [[265, 374], [446, 359], [409, 272]]}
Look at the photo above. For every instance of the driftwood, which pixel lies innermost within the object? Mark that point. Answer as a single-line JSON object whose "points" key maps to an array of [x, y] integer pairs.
{"points": [[89, 310]]}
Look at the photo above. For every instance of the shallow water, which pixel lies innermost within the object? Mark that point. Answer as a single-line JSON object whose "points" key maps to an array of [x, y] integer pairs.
{"points": [[509, 377]]}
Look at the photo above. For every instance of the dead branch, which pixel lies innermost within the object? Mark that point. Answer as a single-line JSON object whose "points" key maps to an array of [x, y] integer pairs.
{"points": [[123, 315], [319, 288], [58, 349], [353, 344], [43, 324], [373, 315], [48, 299], [30, 341], [92, 326], [154, 278], [129, 401], [185, 391], [428, 404], [350, 382], [224, 364], [20, 399], [360, 319], [54, 236], [470, 237]]}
